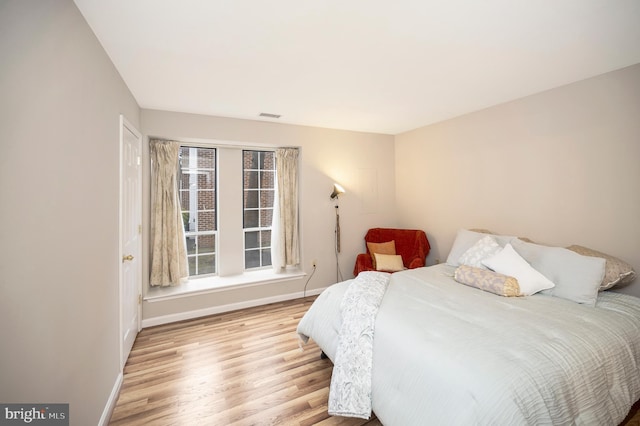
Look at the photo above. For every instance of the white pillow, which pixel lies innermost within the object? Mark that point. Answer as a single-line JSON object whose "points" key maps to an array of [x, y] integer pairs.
{"points": [[388, 262], [465, 239], [577, 277], [510, 263], [484, 248]]}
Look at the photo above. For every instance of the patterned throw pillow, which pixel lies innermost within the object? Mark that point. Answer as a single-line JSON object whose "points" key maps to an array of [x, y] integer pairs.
{"points": [[486, 280], [484, 248], [616, 271], [381, 248], [465, 239]]}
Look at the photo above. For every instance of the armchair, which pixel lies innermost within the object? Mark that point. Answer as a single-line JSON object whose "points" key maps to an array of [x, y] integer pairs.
{"points": [[411, 244]]}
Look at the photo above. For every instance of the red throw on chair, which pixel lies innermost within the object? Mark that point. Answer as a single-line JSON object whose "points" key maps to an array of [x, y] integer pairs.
{"points": [[411, 244]]}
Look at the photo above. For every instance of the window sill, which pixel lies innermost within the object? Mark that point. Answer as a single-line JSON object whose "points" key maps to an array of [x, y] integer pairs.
{"points": [[214, 284]]}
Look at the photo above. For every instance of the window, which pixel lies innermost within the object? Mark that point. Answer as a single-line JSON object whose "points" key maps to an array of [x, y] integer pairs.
{"points": [[197, 177], [259, 185], [227, 205]]}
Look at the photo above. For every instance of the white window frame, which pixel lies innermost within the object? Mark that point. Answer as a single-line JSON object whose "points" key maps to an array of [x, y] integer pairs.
{"points": [[259, 228], [193, 165]]}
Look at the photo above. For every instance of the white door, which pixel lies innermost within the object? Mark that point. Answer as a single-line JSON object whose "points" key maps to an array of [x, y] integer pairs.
{"points": [[130, 236]]}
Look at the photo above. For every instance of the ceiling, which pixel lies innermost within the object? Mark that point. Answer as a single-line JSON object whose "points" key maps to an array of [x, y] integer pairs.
{"points": [[364, 65]]}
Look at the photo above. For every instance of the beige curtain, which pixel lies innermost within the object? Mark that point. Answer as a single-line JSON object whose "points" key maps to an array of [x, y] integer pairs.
{"points": [[285, 246], [168, 247]]}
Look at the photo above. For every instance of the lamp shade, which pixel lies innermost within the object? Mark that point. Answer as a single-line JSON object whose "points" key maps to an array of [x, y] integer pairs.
{"points": [[337, 190]]}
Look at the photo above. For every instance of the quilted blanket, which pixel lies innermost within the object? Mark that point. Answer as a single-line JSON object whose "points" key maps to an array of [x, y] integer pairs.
{"points": [[350, 390]]}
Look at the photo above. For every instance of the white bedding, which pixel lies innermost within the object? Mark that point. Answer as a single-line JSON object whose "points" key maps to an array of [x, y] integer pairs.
{"points": [[350, 390], [445, 353]]}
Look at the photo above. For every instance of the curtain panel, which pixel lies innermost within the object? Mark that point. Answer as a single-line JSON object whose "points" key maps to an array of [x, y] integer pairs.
{"points": [[285, 244], [168, 246]]}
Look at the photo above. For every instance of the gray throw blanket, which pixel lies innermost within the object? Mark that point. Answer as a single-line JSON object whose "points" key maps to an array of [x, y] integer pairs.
{"points": [[350, 391]]}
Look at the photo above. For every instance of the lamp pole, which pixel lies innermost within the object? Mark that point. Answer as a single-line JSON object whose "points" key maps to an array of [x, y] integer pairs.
{"points": [[337, 241]]}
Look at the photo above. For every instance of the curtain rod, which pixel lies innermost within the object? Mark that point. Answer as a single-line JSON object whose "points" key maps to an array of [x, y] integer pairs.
{"points": [[221, 144]]}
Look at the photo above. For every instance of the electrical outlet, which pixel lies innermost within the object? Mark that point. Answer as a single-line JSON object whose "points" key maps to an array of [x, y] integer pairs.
{"points": [[314, 263]]}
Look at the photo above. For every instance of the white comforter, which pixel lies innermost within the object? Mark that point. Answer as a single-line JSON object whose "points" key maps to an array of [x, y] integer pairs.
{"points": [[448, 354]]}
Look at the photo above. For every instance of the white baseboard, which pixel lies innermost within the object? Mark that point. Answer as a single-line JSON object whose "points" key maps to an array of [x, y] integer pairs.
{"points": [[111, 402], [180, 316]]}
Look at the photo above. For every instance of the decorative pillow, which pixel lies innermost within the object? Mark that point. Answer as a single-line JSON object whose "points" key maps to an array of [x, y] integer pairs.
{"points": [[577, 277], [483, 279], [381, 248], [465, 239], [388, 262], [485, 247], [616, 271], [510, 263], [481, 231]]}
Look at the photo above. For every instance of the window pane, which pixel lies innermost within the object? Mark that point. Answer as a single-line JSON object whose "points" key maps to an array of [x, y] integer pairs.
{"points": [[266, 198], [206, 220], [267, 160], [192, 265], [250, 180], [250, 159], [184, 156], [267, 179], [252, 259], [206, 158], [250, 199], [265, 238], [191, 245], [185, 220], [206, 244], [266, 217], [205, 179], [251, 218], [266, 257], [190, 221], [251, 240], [184, 199], [206, 200], [206, 264]]}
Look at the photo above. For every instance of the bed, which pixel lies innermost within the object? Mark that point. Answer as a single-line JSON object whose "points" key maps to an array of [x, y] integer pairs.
{"points": [[448, 353]]}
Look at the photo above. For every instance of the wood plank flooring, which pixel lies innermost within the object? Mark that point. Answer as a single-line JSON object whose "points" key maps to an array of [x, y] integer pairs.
{"points": [[236, 368]]}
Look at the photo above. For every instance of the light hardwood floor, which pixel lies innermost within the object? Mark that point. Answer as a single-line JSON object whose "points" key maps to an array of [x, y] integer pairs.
{"points": [[237, 368]]}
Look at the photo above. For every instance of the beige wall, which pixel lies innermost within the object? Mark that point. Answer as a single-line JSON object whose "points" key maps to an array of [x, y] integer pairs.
{"points": [[59, 173], [560, 167], [361, 162]]}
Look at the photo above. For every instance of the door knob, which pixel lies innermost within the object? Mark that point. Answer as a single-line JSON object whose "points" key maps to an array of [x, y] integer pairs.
{"points": [[127, 257]]}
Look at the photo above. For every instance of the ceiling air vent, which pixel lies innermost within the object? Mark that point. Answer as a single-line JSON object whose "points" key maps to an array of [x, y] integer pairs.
{"points": [[269, 115]]}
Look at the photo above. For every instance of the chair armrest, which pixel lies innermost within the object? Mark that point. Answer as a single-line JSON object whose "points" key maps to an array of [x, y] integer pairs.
{"points": [[363, 263], [415, 262]]}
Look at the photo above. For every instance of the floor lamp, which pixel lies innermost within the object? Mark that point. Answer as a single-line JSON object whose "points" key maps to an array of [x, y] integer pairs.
{"points": [[337, 190]]}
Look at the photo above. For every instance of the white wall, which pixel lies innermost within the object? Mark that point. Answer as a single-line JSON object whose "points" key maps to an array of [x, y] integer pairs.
{"points": [[59, 111], [560, 167], [361, 162]]}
